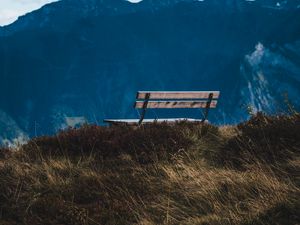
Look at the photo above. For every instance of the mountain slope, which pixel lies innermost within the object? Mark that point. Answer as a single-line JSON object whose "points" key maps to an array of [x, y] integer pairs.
{"points": [[88, 58]]}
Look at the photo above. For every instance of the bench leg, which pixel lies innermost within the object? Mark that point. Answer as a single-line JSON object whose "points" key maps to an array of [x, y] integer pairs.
{"points": [[142, 117], [207, 108], [144, 108]]}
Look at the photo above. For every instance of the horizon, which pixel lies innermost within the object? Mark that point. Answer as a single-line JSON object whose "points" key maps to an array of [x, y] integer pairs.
{"points": [[11, 10]]}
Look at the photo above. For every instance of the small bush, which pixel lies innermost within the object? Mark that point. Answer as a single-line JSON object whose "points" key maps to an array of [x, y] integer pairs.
{"points": [[267, 139], [145, 144]]}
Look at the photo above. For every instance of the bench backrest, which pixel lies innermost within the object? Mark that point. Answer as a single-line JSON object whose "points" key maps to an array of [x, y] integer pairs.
{"points": [[182, 99]]}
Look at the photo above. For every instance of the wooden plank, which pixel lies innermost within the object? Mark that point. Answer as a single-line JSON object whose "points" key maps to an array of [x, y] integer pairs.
{"points": [[175, 104], [177, 94], [135, 121]]}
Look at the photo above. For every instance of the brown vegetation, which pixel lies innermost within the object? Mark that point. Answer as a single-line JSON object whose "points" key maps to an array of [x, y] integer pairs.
{"points": [[185, 173]]}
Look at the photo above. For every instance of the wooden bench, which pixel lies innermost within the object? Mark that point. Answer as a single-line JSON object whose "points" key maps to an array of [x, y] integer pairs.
{"points": [[170, 100]]}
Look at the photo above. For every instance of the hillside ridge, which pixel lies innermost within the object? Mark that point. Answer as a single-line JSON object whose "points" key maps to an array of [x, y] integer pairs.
{"points": [[185, 173]]}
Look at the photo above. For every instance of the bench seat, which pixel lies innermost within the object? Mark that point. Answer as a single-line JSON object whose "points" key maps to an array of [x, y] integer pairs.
{"points": [[136, 121], [170, 100]]}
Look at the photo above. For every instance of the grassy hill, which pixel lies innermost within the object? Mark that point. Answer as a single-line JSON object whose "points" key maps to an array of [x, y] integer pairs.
{"points": [[185, 173]]}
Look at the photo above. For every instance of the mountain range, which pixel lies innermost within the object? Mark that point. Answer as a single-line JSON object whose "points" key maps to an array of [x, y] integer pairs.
{"points": [[80, 61]]}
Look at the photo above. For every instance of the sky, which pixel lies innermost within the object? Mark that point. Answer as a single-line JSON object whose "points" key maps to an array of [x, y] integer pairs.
{"points": [[10, 10]]}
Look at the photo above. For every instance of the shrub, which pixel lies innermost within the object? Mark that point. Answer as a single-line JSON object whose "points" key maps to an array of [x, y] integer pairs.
{"points": [[145, 144], [267, 139]]}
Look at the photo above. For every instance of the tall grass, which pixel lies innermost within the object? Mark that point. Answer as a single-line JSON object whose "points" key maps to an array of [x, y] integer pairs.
{"points": [[186, 173]]}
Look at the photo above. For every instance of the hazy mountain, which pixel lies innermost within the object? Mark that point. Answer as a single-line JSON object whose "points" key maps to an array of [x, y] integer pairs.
{"points": [[85, 59]]}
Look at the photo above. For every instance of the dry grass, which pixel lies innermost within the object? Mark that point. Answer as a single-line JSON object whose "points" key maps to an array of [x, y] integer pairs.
{"points": [[159, 174]]}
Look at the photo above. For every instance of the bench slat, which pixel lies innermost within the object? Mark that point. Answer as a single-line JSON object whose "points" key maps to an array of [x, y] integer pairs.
{"points": [[135, 121], [175, 104], [177, 94]]}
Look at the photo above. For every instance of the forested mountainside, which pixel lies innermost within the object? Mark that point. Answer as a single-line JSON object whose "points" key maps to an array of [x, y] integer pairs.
{"points": [[84, 60]]}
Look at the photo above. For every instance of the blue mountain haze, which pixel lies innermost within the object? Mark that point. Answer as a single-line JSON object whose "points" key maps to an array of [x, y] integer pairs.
{"points": [[86, 59]]}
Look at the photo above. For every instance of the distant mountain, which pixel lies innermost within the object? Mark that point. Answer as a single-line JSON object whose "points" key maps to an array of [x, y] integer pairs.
{"points": [[84, 60]]}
